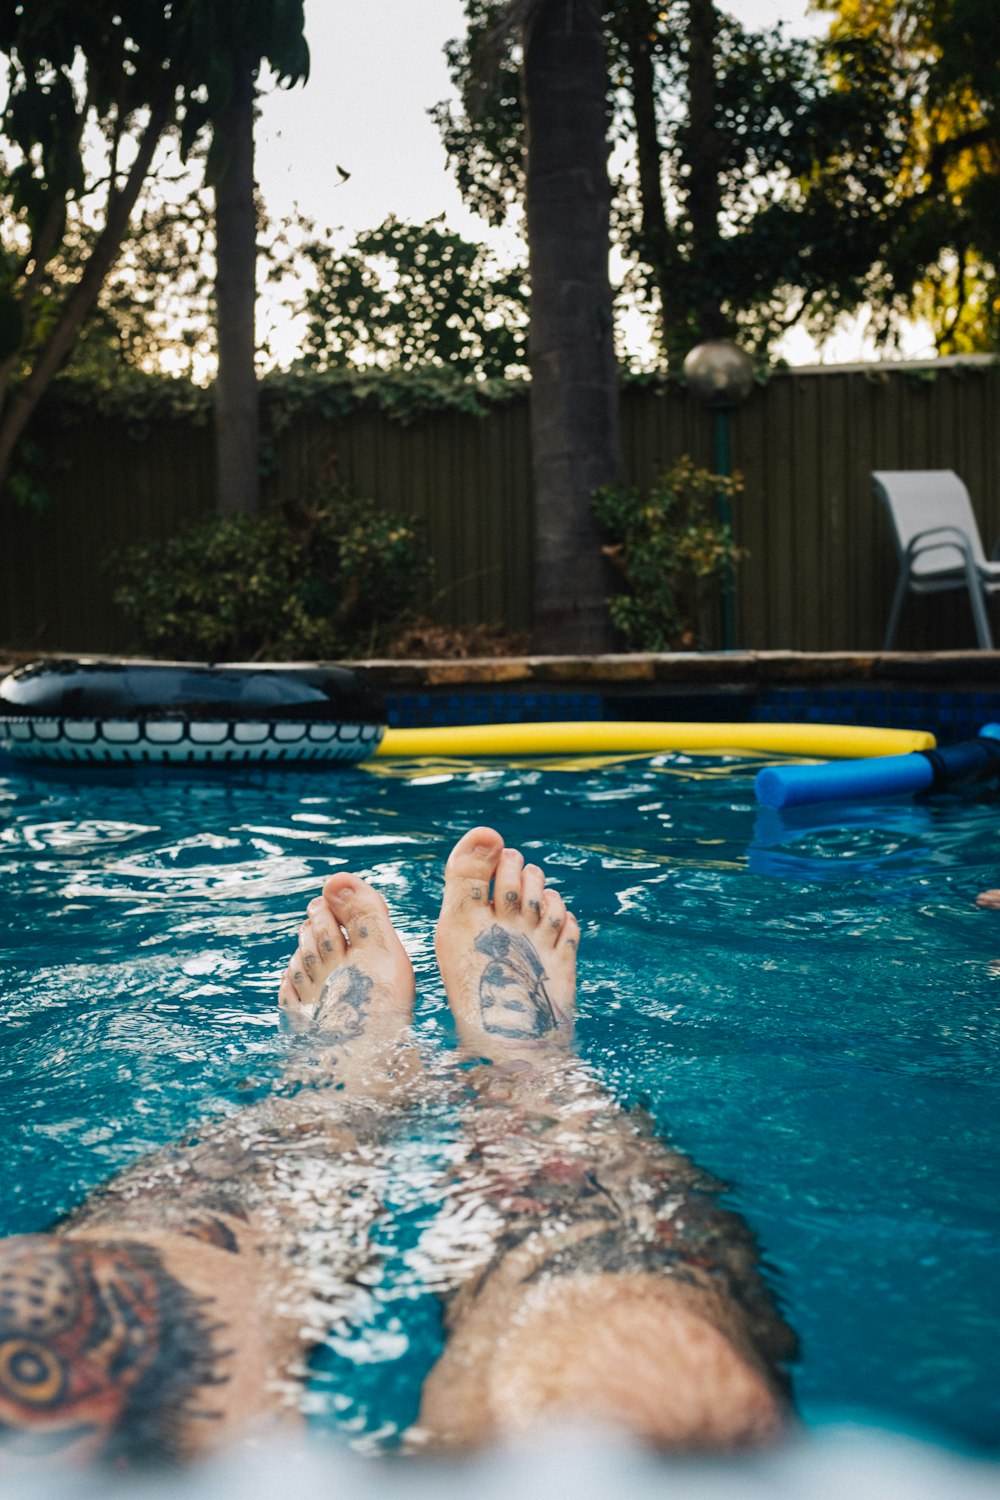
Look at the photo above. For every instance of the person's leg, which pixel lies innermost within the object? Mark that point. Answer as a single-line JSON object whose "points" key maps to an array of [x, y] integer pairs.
{"points": [[170, 1310], [615, 1287]]}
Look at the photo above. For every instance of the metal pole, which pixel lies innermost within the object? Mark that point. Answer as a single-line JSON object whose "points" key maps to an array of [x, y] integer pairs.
{"points": [[724, 466]]}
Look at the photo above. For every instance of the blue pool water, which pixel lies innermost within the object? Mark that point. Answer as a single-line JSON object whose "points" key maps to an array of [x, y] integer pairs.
{"points": [[810, 1007]]}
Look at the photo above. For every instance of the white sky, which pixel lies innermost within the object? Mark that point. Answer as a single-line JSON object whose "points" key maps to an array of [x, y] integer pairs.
{"points": [[377, 67]]}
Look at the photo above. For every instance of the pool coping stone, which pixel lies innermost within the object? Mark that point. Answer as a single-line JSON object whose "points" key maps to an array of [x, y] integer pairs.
{"points": [[746, 670]]}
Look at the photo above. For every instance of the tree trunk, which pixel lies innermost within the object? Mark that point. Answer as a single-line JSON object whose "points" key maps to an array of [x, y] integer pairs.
{"points": [[574, 375], [703, 156], [236, 395], [656, 240], [81, 299]]}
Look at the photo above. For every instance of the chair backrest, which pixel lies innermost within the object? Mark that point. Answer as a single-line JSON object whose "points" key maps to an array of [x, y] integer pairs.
{"points": [[919, 499]]}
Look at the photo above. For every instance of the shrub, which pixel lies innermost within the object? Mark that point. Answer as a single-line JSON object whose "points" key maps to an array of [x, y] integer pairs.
{"points": [[672, 552], [323, 580]]}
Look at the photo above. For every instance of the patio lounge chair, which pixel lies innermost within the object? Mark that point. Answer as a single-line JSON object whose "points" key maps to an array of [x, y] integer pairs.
{"points": [[938, 542]]}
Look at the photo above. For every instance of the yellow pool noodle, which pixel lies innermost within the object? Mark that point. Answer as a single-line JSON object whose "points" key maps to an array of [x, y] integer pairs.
{"points": [[610, 737]]}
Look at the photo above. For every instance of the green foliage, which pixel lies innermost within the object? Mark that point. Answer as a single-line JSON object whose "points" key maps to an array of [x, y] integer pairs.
{"points": [[909, 184], [672, 552], [93, 92], [484, 141], [327, 580], [214, 39], [763, 87], [860, 170], [409, 296], [140, 400]]}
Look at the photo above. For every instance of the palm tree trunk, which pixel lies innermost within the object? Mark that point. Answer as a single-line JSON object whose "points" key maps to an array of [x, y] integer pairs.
{"points": [[703, 155], [236, 393], [574, 377]]}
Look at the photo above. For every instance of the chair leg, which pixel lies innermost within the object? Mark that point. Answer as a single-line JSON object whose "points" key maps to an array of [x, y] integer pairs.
{"points": [[897, 610], [977, 599]]}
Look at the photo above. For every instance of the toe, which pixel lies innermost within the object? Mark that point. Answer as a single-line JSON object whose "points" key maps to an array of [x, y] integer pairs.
{"points": [[989, 899], [507, 883], [288, 995], [553, 917], [359, 909], [297, 1012], [532, 893], [307, 962], [302, 971], [569, 934], [327, 932], [471, 866]]}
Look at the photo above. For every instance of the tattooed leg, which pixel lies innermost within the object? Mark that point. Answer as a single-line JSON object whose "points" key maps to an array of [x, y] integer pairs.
{"points": [[106, 1353], [595, 1274], [173, 1309], [507, 956]]}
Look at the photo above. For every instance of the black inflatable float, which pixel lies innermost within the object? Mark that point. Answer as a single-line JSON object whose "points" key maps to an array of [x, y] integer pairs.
{"points": [[181, 713]]}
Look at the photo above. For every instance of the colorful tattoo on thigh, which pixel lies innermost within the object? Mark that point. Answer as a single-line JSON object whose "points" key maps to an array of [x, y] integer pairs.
{"points": [[513, 1000], [103, 1354]]}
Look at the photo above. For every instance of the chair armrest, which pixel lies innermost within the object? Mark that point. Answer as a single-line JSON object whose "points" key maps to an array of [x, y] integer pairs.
{"points": [[940, 536]]}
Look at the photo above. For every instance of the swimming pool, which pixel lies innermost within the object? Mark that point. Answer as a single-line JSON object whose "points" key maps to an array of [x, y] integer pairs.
{"points": [[809, 1006]]}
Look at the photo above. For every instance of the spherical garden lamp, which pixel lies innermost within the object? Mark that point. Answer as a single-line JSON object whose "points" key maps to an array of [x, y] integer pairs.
{"points": [[721, 374]]}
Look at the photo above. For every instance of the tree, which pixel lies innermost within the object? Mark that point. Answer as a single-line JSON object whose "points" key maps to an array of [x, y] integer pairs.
{"points": [[94, 90], [913, 176], [123, 99], [243, 33], [716, 125], [772, 181], [551, 53], [237, 425], [410, 295], [574, 377]]}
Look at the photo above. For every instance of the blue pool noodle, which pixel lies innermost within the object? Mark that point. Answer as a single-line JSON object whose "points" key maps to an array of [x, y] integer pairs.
{"points": [[844, 780], [882, 775]]}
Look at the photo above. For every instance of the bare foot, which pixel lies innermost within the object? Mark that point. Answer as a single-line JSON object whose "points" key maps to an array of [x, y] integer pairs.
{"points": [[350, 986], [508, 961], [990, 899]]}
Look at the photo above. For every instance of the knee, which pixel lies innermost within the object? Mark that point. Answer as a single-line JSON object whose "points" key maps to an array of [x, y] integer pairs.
{"points": [[619, 1350]]}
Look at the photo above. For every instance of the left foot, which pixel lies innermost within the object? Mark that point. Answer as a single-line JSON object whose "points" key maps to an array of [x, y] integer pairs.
{"points": [[989, 899], [350, 985]]}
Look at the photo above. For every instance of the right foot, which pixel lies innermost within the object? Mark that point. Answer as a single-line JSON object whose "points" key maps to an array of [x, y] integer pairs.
{"points": [[350, 985], [508, 959]]}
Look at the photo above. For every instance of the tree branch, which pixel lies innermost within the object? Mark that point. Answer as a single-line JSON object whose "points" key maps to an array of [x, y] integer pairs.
{"points": [[84, 294]]}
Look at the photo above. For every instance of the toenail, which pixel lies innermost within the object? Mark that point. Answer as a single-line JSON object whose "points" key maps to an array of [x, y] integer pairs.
{"points": [[325, 945], [555, 923], [512, 898], [536, 907]]}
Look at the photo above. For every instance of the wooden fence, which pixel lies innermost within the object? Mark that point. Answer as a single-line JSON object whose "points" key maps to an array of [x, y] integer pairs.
{"points": [[821, 567]]}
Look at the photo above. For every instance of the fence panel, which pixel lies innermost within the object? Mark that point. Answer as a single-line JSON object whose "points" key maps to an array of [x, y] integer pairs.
{"points": [[820, 571]]}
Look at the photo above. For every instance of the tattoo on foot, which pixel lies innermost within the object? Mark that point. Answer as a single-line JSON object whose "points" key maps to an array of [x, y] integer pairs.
{"points": [[513, 1000], [102, 1351], [343, 1005]]}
